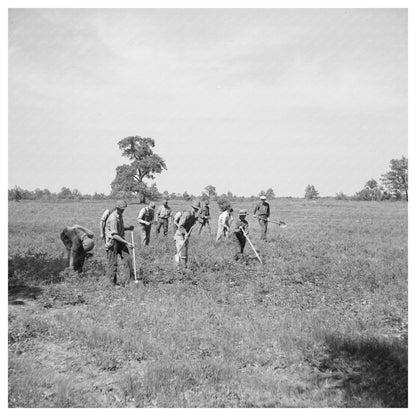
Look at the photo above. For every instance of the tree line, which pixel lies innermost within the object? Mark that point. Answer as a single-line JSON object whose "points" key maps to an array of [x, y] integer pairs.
{"points": [[144, 164], [66, 194], [394, 185]]}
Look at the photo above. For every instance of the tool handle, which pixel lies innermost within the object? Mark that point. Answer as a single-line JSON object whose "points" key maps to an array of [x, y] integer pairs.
{"points": [[134, 256]]}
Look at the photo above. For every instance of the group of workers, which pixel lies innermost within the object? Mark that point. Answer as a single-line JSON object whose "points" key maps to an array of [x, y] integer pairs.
{"points": [[79, 241]]}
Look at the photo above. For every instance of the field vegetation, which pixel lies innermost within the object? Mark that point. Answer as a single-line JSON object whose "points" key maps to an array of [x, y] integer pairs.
{"points": [[322, 324]]}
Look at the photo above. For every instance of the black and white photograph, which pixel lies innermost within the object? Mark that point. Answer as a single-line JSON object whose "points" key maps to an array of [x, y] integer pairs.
{"points": [[207, 206]]}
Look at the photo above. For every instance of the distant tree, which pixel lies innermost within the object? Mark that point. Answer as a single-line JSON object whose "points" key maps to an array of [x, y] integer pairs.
{"points": [[16, 194], [186, 196], [165, 194], [204, 197], [372, 191], [144, 164], [231, 196], [38, 193], [152, 193], [76, 194], [97, 196], [125, 184], [311, 192], [270, 194], [223, 203], [396, 180], [211, 191], [65, 193], [46, 194], [341, 196]]}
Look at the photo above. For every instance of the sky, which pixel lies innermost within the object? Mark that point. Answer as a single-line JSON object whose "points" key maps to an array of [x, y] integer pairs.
{"points": [[242, 99]]}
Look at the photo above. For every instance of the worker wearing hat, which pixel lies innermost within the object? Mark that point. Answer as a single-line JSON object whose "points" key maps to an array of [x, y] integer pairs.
{"points": [[224, 224], [115, 243], [145, 218], [78, 242], [262, 212], [204, 216], [240, 227], [176, 219], [185, 224], [163, 214]]}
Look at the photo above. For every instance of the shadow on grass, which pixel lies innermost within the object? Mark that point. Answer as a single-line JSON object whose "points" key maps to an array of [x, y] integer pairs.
{"points": [[18, 292], [371, 372], [35, 268]]}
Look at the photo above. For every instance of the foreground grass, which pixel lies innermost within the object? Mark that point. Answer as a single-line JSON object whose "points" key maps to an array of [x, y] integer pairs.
{"points": [[323, 324]]}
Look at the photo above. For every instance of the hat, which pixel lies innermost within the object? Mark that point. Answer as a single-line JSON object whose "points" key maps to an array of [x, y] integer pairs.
{"points": [[196, 204], [242, 212], [263, 197], [152, 205], [207, 202], [87, 244], [121, 204]]}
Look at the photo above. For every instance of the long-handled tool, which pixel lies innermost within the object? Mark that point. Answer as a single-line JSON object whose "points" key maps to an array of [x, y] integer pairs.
{"points": [[134, 258], [177, 258], [255, 252], [281, 224]]}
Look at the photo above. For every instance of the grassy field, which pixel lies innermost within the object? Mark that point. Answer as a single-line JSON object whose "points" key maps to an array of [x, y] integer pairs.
{"points": [[322, 324]]}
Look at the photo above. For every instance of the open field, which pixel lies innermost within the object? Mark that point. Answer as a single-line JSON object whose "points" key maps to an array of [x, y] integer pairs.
{"points": [[323, 324]]}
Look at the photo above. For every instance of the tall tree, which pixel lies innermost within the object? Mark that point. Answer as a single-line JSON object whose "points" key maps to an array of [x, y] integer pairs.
{"points": [[396, 180], [270, 194], [311, 192], [65, 193], [371, 192], [211, 191], [16, 194], [144, 164]]}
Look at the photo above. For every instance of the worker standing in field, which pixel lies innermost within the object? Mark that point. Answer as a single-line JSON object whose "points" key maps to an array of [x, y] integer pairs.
{"points": [[115, 243], [163, 215], [262, 212], [230, 223], [145, 218], [223, 224], [176, 220], [185, 224], [241, 227], [103, 221], [204, 216], [78, 242]]}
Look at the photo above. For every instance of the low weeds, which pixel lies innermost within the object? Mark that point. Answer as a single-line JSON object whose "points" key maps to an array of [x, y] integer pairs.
{"points": [[323, 323]]}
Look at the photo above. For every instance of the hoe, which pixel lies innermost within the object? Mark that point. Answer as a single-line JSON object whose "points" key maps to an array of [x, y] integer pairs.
{"points": [[255, 252], [281, 224], [177, 258], [134, 259]]}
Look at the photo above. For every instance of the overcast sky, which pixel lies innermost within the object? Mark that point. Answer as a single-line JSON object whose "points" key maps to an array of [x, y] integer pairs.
{"points": [[240, 99]]}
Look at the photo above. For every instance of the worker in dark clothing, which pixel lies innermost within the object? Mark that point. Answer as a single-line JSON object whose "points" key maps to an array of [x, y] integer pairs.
{"points": [[163, 215], [78, 242], [116, 244], [204, 216], [241, 227], [186, 222], [146, 219], [262, 212]]}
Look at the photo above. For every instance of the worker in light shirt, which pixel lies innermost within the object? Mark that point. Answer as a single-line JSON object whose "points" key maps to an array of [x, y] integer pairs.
{"points": [[224, 223]]}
